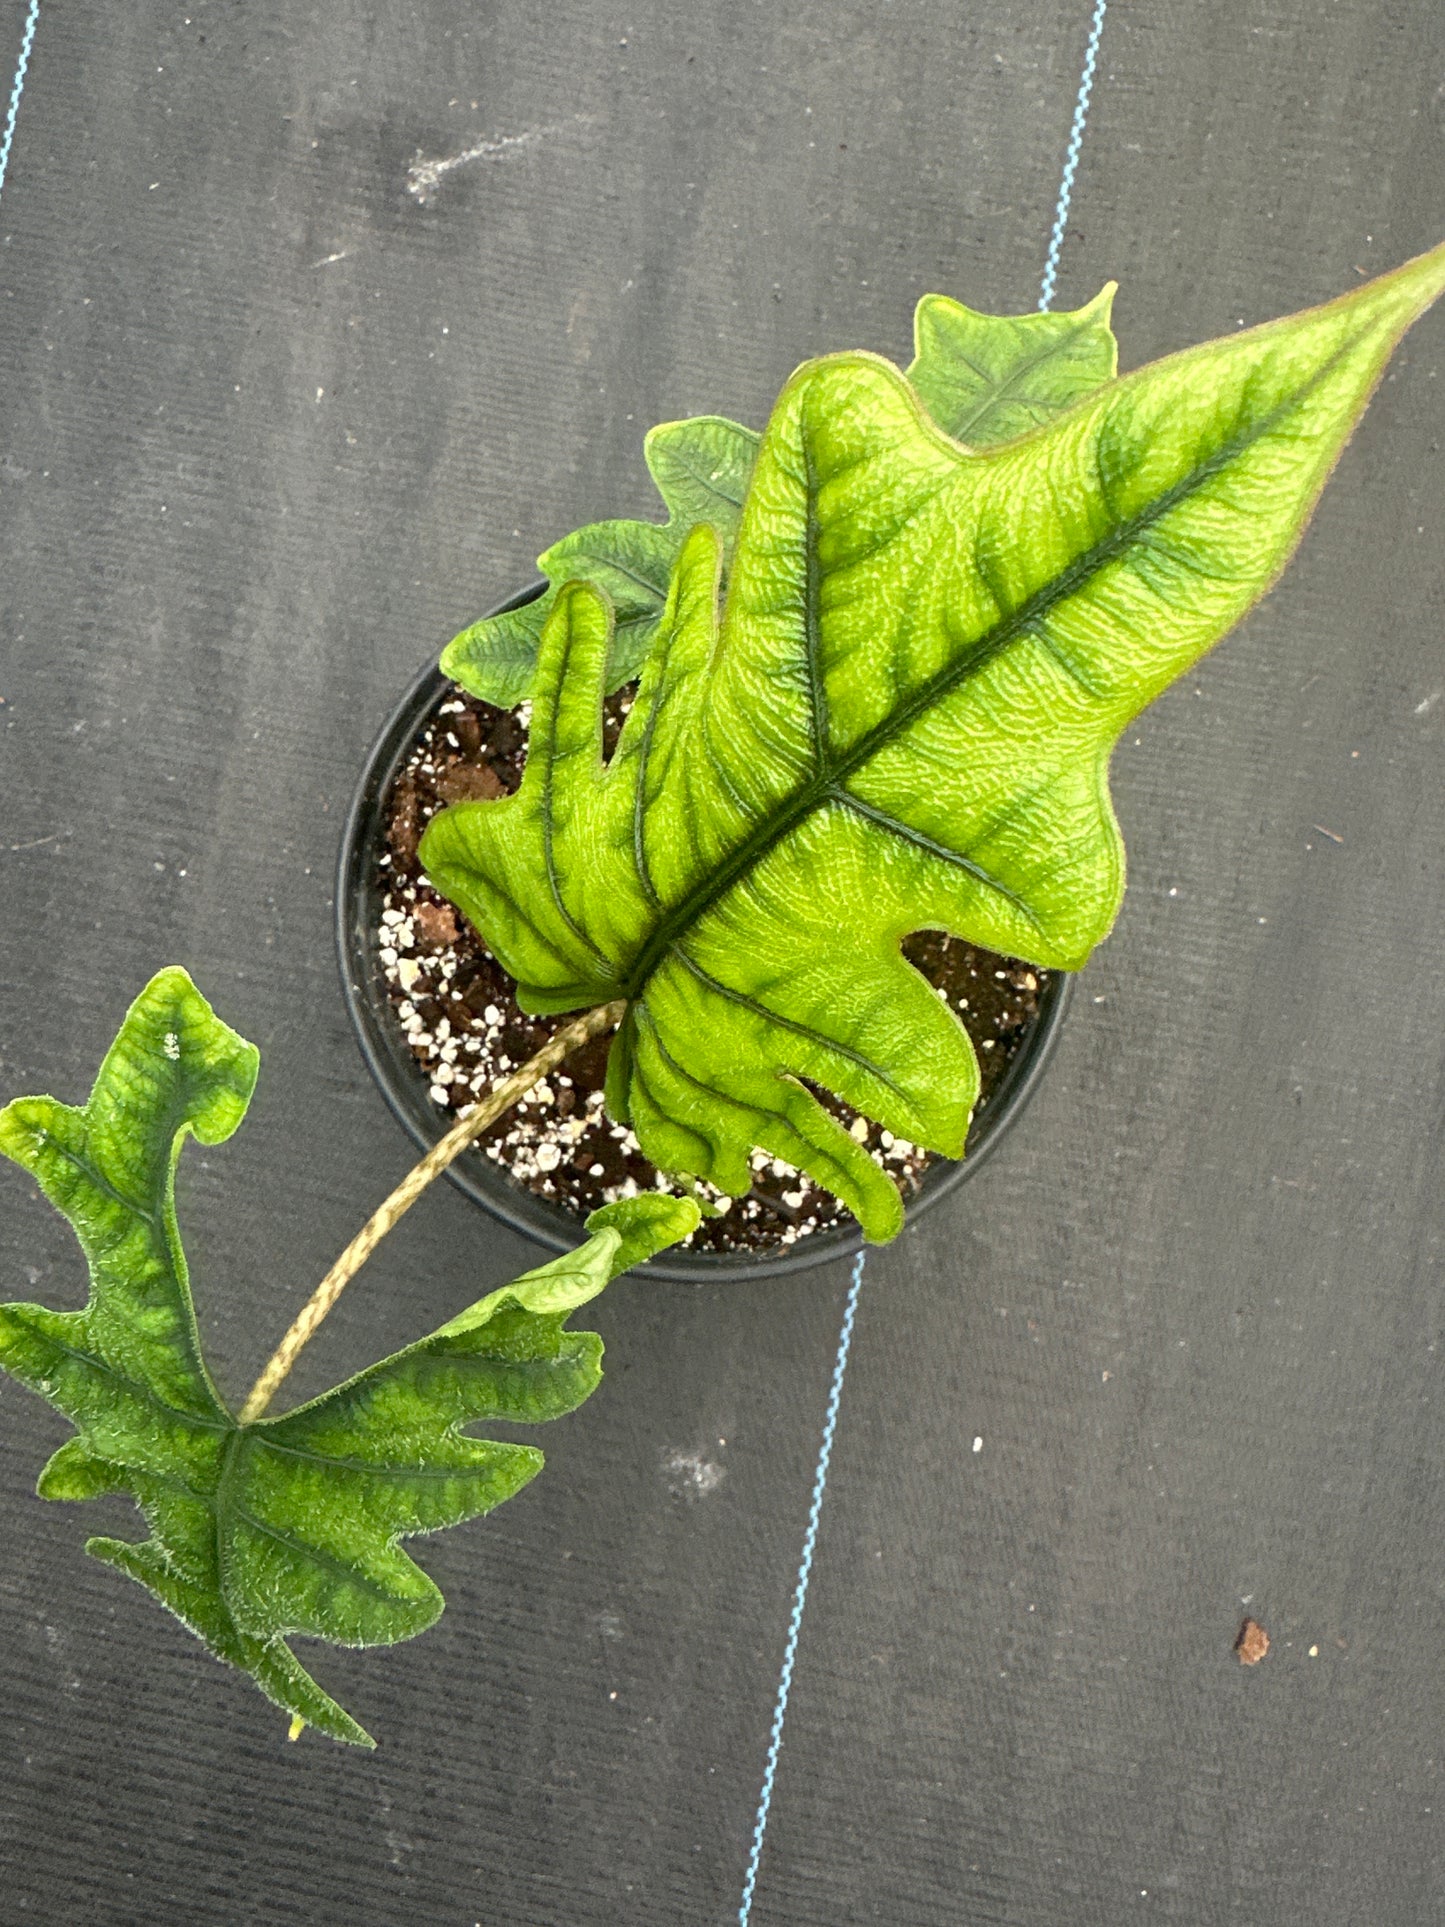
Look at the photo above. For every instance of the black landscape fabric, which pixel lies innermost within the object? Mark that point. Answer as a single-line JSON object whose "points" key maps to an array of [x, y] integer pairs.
{"points": [[316, 325]]}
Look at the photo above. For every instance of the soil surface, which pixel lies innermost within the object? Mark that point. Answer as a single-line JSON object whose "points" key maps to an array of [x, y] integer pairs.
{"points": [[456, 1007]]}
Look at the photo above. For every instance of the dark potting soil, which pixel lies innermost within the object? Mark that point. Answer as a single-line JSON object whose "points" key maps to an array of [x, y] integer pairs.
{"points": [[456, 1007]]}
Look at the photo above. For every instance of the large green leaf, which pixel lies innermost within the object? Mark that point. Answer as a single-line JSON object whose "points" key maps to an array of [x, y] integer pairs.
{"points": [[902, 718], [983, 378], [289, 1525]]}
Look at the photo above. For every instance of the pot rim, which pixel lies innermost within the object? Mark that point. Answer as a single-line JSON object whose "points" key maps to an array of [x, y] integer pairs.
{"points": [[484, 1182]]}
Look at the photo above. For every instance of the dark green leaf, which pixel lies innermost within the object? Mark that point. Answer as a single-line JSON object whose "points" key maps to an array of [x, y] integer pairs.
{"points": [[701, 469], [289, 1526]]}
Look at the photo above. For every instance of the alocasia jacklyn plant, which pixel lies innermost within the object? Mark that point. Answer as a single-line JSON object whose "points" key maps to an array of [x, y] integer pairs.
{"points": [[899, 715], [883, 652]]}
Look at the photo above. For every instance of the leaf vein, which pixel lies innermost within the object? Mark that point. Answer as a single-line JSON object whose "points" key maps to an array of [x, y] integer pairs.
{"points": [[909, 835], [762, 1010]]}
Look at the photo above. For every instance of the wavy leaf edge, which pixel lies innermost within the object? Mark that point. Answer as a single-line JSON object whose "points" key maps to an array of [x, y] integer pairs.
{"points": [[1070, 574], [291, 1526]]}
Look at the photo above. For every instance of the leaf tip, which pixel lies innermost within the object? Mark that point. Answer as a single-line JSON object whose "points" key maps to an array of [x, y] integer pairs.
{"points": [[1427, 271], [644, 1226], [579, 597], [882, 1219], [23, 1128], [172, 1019], [172, 980], [73, 1473], [1392, 302]]}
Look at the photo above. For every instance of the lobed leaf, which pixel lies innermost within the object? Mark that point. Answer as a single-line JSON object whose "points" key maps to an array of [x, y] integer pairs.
{"points": [[983, 378], [901, 717], [701, 469], [291, 1525], [986, 379]]}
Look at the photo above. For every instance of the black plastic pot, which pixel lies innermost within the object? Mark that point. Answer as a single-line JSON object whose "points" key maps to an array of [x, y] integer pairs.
{"points": [[389, 1059]]}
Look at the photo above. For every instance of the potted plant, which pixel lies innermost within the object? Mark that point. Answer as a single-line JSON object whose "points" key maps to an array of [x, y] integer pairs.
{"points": [[879, 699], [428, 1001]]}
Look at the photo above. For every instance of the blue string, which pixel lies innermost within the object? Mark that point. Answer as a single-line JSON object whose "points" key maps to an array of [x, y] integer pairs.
{"points": [[800, 1595], [26, 43], [850, 1310], [1071, 159]]}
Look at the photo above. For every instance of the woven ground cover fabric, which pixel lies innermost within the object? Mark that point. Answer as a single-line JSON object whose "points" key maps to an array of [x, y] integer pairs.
{"points": [[316, 326]]}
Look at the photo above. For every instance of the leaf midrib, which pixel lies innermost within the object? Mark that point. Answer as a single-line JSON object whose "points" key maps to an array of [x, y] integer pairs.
{"points": [[228, 1512], [821, 786], [403, 1474], [97, 1363]]}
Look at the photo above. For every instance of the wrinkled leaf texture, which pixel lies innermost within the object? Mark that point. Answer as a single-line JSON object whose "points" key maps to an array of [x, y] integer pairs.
{"points": [[900, 716], [290, 1525], [983, 379]]}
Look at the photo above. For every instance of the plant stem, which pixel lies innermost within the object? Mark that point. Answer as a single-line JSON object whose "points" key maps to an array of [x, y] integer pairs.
{"points": [[501, 1098]]}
